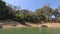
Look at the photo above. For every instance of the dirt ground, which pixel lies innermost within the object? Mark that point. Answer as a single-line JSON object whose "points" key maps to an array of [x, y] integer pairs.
{"points": [[49, 25]]}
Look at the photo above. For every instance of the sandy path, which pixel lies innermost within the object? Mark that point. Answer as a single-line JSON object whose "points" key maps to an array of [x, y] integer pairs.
{"points": [[49, 25]]}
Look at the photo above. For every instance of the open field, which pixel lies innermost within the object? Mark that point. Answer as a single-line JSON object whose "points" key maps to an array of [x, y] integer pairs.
{"points": [[30, 30], [25, 30]]}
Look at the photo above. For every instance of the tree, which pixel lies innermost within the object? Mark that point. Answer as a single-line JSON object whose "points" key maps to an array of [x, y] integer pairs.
{"points": [[57, 14], [3, 10]]}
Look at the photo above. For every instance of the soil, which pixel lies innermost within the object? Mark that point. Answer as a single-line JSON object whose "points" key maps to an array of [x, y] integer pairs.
{"points": [[49, 25]]}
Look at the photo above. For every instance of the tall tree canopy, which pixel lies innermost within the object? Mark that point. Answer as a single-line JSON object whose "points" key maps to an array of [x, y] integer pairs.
{"points": [[24, 15]]}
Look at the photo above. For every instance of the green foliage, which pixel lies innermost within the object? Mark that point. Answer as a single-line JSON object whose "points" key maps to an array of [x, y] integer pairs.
{"points": [[24, 15]]}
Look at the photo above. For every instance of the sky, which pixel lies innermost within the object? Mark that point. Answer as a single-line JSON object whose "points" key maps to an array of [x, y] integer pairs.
{"points": [[33, 4]]}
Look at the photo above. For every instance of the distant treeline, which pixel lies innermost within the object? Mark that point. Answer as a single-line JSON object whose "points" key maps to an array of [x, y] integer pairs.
{"points": [[43, 14]]}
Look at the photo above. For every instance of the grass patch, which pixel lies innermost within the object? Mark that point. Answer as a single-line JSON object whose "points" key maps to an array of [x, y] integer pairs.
{"points": [[25, 30], [30, 30]]}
